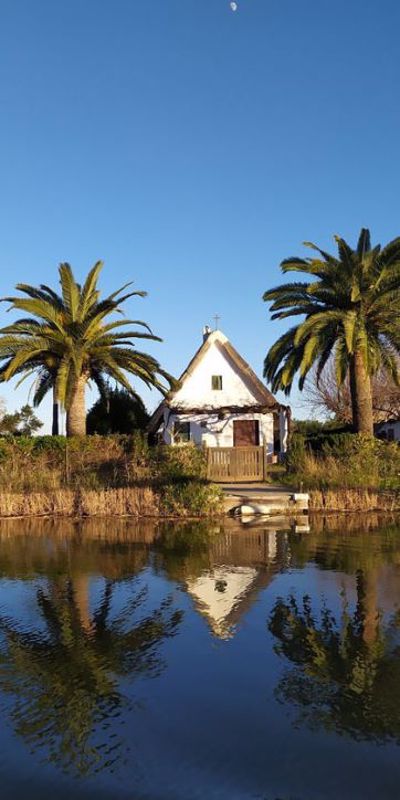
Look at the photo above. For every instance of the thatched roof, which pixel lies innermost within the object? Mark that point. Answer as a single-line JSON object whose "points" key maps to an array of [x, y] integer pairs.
{"points": [[264, 401]]}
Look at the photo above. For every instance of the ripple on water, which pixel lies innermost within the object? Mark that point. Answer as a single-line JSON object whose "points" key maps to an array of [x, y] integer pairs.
{"points": [[110, 680]]}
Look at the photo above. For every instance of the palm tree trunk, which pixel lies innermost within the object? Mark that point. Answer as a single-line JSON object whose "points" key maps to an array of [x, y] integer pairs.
{"points": [[76, 414], [367, 601], [54, 427], [361, 396], [80, 583]]}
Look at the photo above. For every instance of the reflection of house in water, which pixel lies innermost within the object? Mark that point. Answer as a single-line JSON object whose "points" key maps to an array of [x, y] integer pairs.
{"points": [[242, 564]]}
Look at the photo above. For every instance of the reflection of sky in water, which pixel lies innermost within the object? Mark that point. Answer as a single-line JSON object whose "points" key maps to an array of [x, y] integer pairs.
{"points": [[197, 715]]}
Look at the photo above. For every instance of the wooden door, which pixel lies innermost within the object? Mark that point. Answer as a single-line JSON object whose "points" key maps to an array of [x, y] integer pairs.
{"points": [[246, 433]]}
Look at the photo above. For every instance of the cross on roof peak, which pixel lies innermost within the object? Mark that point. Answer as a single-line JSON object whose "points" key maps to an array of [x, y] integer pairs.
{"points": [[217, 319]]}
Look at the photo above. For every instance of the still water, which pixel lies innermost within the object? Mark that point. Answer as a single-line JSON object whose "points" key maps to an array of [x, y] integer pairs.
{"points": [[217, 662]]}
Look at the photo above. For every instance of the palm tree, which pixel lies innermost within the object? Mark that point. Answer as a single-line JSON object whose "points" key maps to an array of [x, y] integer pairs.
{"points": [[66, 685], [351, 309], [68, 342], [345, 674]]}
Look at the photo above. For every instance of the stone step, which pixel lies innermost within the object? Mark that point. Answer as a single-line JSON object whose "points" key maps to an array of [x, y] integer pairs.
{"points": [[265, 505]]}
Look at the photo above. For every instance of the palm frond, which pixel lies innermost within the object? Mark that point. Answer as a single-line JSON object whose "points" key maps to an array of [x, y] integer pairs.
{"points": [[364, 243], [352, 305]]}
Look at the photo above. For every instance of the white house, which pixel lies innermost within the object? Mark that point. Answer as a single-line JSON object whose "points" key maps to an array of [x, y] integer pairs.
{"points": [[389, 430], [220, 402]]}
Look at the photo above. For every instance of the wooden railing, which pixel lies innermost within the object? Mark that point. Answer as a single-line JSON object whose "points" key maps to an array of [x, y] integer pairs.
{"points": [[236, 464]]}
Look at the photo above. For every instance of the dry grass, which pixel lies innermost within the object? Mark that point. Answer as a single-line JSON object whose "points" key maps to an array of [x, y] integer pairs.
{"points": [[321, 471], [354, 500], [102, 476], [202, 500], [133, 502], [352, 523], [46, 464]]}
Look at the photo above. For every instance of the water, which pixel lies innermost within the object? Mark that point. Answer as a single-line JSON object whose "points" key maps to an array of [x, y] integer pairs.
{"points": [[222, 661]]}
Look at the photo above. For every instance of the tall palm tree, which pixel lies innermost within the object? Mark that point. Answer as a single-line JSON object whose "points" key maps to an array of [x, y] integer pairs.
{"points": [[67, 682], [351, 309], [67, 342], [345, 674]]}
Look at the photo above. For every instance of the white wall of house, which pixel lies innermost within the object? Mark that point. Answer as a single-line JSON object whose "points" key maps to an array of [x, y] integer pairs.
{"points": [[196, 391], [208, 430], [216, 606], [391, 430], [203, 402]]}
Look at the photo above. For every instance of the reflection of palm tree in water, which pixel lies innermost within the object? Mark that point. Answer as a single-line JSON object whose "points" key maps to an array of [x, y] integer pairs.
{"points": [[64, 680], [345, 678]]}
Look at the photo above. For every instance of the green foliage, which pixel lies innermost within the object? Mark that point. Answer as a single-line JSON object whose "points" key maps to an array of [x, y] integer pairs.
{"points": [[350, 306], [310, 427], [48, 444], [47, 463], [117, 412], [191, 499], [343, 460], [296, 455], [20, 423], [181, 462], [182, 473], [66, 338]]}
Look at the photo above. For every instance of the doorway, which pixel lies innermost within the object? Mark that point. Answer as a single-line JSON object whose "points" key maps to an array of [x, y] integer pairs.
{"points": [[246, 433]]}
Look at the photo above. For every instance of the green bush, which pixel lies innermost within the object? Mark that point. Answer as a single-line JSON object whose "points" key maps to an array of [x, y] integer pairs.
{"points": [[48, 444], [192, 499], [296, 455], [344, 460], [48, 463], [181, 462]]}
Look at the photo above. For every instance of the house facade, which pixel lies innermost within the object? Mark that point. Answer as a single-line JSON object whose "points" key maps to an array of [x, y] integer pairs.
{"points": [[221, 402], [389, 430]]}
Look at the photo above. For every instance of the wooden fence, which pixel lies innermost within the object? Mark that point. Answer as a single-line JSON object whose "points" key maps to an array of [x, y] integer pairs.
{"points": [[236, 464]]}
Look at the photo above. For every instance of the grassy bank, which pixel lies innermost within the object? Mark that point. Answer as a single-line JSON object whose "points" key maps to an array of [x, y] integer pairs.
{"points": [[345, 472], [354, 500], [103, 475]]}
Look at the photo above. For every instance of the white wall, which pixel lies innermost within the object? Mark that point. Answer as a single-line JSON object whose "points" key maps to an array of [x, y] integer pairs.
{"points": [[391, 426], [196, 391], [208, 430]]}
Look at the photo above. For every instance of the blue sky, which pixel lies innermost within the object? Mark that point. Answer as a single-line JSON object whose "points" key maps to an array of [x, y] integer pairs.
{"points": [[192, 148]]}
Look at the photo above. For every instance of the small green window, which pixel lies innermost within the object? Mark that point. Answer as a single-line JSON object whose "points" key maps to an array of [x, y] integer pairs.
{"points": [[216, 382]]}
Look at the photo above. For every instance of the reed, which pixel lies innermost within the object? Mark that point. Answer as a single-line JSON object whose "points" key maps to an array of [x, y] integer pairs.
{"points": [[358, 469], [103, 476], [132, 502], [353, 523], [348, 499], [201, 501]]}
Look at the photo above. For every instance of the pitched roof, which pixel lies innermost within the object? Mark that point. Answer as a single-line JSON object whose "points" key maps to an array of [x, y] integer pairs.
{"points": [[263, 397], [242, 563], [223, 613]]}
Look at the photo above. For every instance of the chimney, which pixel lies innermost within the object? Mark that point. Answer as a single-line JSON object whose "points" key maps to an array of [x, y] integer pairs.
{"points": [[206, 332]]}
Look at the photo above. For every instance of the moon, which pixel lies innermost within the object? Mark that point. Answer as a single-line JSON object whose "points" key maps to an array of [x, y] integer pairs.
{"points": [[234, 6]]}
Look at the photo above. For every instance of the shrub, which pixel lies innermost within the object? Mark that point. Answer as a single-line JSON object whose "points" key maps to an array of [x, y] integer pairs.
{"points": [[192, 499], [296, 455], [49, 464], [181, 462], [344, 460]]}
